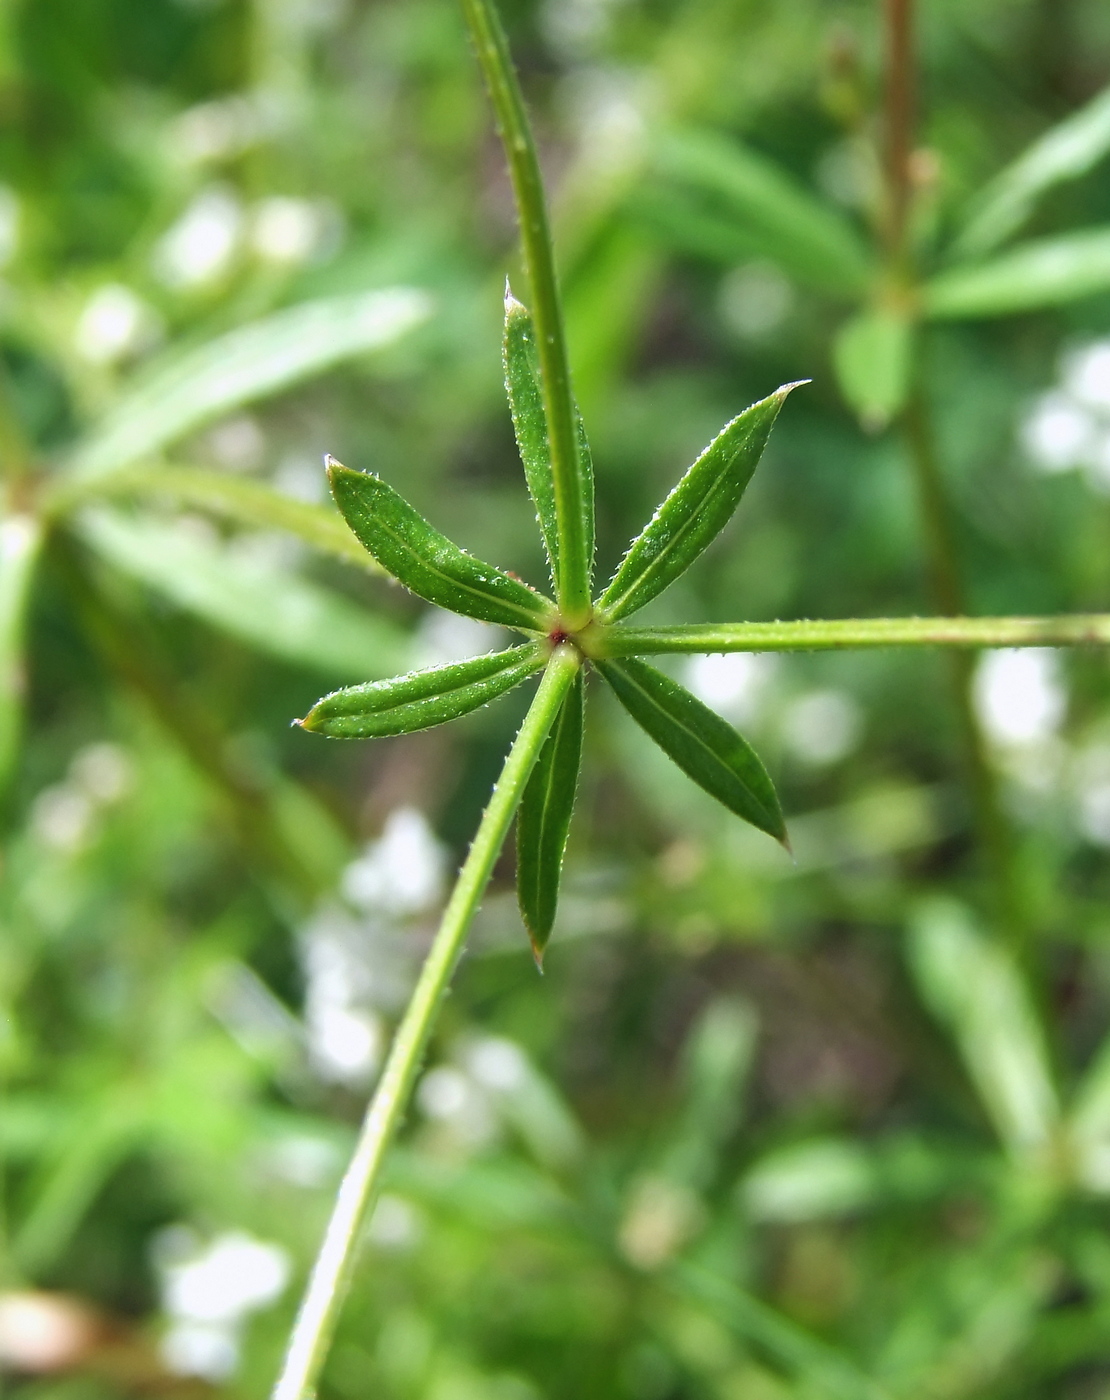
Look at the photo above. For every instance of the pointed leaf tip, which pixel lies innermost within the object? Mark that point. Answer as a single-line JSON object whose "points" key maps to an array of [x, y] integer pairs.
{"points": [[543, 822], [421, 699], [427, 562], [695, 512], [699, 741]]}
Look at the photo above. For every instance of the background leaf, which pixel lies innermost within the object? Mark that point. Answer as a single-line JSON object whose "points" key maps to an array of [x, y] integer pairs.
{"points": [[775, 216], [421, 698], [1066, 151], [192, 388], [695, 512], [704, 746], [260, 602], [246, 502], [975, 988], [1047, 272], [20, 538], [427, 562], [871, 355], [543, 820]]}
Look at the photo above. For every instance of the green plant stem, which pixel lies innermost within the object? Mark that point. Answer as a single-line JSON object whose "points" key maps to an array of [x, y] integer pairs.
{"points": [[1079, 629], [947, 588], [20, 542], [573, 584], [898, 103], [331, 1274]]}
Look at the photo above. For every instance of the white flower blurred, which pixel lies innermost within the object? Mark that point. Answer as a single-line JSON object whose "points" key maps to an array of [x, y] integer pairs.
{"points": [[9, 224], [822, 726], [732, 683], [115, 323], [209, 1290], [216, 130], [62, 815], [1092, 783], [356, 958], [1068, 427], [442, 637], [287, 231], [238, 443], [199, 247], [754, 300], [1020, 696]]}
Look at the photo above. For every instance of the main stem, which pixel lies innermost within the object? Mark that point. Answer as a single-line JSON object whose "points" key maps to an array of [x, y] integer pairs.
{"points": [[331, 1274], [573, 583]]}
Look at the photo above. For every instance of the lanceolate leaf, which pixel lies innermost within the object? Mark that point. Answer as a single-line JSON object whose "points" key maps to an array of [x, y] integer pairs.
{"points": [[192, 388], [428, 563], [246, 502], [543, 822], [776, 217], [422, 698], [1064, 152], [523, 385], [703, 745], [258, 600], [695, 512], [1042, 272]]}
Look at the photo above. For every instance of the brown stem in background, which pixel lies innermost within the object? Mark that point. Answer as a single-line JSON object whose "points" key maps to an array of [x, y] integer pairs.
{"points": [[898, 104]]}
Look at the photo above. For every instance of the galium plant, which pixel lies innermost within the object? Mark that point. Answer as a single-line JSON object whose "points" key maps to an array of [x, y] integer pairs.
{"points": [[564, 635]]}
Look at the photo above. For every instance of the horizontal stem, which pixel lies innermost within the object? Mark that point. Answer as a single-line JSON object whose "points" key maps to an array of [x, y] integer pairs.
{"points": [[1077, 629], [327, 1286]]}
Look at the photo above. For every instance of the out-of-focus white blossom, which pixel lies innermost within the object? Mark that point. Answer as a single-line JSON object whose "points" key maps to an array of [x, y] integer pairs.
{"points": [[287, 231], [199, 247], [208, 1291], [217, 130], [395, 1224], [63, 814], [732, 683], [1019, 695], [443, 637], [1092, 784], [114, 323], [822, 726], [9, 224], [238, 443], [400, 874], [1068, 427], [755, 299]]}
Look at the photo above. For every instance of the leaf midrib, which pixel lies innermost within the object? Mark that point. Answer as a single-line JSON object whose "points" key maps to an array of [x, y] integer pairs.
{"points": [[469, 587], [680, 534]]}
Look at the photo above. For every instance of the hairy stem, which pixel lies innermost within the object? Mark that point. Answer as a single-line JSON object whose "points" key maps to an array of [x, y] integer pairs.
{"points": [[331, 1274], [520, 149], [1079, 629]]}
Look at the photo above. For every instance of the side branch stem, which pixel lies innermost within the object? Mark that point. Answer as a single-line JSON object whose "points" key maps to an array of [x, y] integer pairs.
{"points": [[1078, 629], [331, 1274], [558, 400]]}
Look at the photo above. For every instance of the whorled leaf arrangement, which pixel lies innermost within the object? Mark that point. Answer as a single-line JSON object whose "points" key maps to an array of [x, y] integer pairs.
{"points": [[565, 635], [702, 744]]}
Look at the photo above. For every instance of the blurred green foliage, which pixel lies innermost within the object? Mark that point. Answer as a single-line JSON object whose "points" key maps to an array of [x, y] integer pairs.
{"points": [[763, 1130]]}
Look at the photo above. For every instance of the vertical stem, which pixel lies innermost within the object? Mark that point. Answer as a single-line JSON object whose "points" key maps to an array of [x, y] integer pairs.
{"points": [[899, 115], [947, 589], [520, 149], [331, 1275]]}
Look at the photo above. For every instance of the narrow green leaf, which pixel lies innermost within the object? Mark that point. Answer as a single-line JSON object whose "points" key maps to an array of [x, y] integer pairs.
{"points": [[776, 217], [872, 360], [245, 502], [428, 563], [543, 822], [20, 539], [1064, 152], [977, 989], [1044, 272], [189, 389], [525, 391], [703, 745], [421, 699], [695, 512], [261, 602]]}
